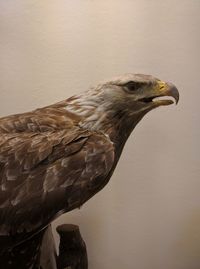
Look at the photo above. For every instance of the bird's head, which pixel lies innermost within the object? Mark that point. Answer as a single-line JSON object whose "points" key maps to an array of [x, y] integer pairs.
{"points": [[119, 104]]}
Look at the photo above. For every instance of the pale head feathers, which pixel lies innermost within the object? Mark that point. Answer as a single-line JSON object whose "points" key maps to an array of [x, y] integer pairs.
{"points": [[120, 102], [104, 100]]}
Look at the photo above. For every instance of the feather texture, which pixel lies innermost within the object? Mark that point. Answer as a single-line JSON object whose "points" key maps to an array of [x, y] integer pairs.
{"points": [[48, 166]]}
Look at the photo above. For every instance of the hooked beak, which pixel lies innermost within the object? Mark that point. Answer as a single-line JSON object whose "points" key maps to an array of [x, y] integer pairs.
{"points": [[161, 90], [167, 89]]}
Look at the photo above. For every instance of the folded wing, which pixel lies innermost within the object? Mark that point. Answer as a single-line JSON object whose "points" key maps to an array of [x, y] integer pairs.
{"points": [[46, 173]]}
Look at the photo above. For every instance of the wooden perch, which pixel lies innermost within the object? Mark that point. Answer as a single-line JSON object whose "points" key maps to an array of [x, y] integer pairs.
{"points": [[72, 249]]}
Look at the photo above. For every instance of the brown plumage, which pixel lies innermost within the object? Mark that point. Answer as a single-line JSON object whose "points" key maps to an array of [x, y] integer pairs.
{"points": [[55, 158]]}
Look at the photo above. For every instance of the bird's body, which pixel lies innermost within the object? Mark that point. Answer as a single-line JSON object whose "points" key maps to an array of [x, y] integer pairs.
{"points": [[54, 159]]}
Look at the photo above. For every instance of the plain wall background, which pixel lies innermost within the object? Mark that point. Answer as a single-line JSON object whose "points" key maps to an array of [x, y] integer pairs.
{"points": [[148, 216]]}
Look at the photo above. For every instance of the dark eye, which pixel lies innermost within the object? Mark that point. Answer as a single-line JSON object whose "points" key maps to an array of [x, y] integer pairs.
{"points": [[133, 85]]}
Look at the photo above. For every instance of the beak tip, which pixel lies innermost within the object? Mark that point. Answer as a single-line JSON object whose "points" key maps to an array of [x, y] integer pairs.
{"points": [[173, 91]]}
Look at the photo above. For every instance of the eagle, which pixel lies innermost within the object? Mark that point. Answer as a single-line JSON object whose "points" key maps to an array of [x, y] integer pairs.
{"points": [[55, 158]]}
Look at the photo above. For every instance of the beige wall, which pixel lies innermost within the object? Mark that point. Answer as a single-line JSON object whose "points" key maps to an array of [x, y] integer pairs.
{"points": [[148, 217]]}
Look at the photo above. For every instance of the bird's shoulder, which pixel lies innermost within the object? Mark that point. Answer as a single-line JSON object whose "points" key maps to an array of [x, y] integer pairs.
{"points": [[50, 118], [47, 170], [24, 153], [49, 173]]}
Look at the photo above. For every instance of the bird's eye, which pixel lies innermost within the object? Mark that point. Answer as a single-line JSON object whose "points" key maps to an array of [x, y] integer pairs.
{"points": [[133, 86]]}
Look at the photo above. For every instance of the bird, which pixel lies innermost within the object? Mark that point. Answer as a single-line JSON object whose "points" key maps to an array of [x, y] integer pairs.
{"points": [[54, 159]]}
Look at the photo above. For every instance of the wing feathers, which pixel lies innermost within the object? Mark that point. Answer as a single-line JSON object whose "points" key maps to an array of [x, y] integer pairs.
{"points": [[48, 165], [35, 168], [40, 120]]}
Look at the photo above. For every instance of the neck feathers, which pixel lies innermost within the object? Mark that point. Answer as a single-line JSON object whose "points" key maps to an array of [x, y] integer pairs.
{"points": [[97, 114]]}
